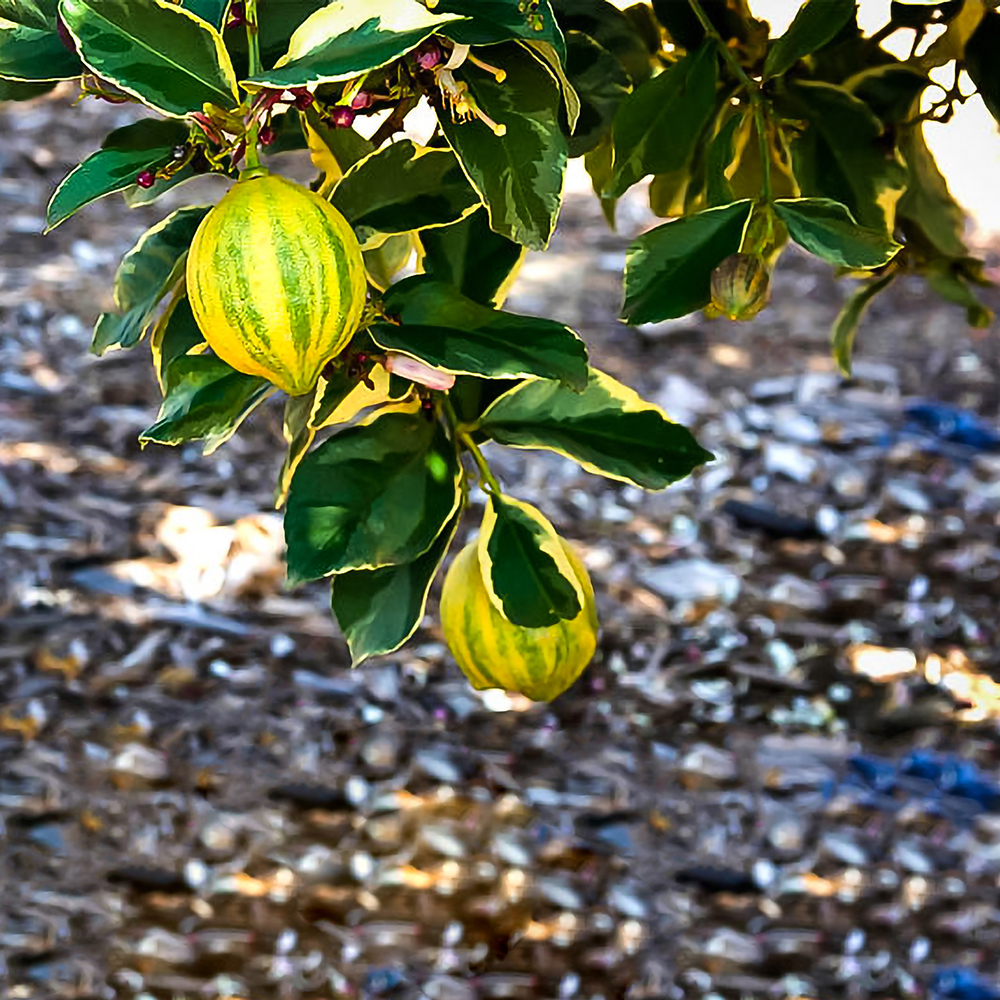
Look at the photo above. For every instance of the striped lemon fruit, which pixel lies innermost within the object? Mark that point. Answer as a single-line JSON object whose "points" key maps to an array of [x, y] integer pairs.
{"points": [[276, 280], [493, 652]]}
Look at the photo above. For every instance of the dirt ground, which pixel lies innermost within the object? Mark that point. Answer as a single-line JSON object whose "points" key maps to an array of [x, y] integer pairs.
{"points": [[778, 778]]}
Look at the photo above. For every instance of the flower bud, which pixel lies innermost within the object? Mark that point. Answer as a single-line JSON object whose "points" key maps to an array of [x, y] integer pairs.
{"points": [[429, 56], [266, 136], [146, 179], [740, 286], [343, 117], [362, 99], [416, 371]]}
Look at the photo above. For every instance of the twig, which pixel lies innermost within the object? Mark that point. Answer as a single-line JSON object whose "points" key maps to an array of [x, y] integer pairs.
{"points": [[253, 43]]}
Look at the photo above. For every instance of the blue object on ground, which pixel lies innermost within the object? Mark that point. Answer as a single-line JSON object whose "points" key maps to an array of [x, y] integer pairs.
{"points": [[943, 780], [952, 423], [963, 778], [955, 982], [922, 764], [380, 981], [877, 773]]}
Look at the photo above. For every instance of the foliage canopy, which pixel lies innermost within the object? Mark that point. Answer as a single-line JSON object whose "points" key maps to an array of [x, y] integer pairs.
{"points": [[751, 142]]}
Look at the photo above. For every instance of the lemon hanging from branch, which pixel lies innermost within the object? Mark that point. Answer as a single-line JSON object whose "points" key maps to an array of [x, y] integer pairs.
{"points": [[493, 652], [276, 281]]}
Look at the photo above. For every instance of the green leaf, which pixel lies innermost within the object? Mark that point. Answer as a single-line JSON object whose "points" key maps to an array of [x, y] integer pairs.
{"points": [[401, 188], [927, 209], [950, 279], [144, 145], [473, 258], [527, 573], [35, 55], [490, 21], [951, 44], [137, 197], [668, 271], [609, 429], [816, 23], [377, 494], [277, 25], [602, 85], [828, 230], [472, 396], [523, 203], [216, 12], [845, 326], [345, 396], [511, 352], [338, 396], [981, 62], [333, 150], [205, 400], [39, 14], [379, 609], [721, 156], [599, 164], [17, 90], [891, 91], [175, 335], [613, 30], [552, 61], [341, 41], [839, 154], [846, 55], [658, 126], [731, 18], [157, 257], [146, 274], [442, 327], [162, 54], [299, 427], [385, 262], [668, 193]]}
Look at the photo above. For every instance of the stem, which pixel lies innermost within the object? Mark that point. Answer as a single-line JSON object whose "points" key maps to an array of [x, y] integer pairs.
{"points": [[883, 33], [753, 92], [754, 95], [253, 43], [761, 123], [487, 479], [253, 38]]}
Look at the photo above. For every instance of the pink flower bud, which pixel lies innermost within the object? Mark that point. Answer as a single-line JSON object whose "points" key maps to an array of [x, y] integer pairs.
{"points": [[266, 135], [416, 371], [429, 57], [362, 100], [343, 117], [303, 100], [146, 179]]}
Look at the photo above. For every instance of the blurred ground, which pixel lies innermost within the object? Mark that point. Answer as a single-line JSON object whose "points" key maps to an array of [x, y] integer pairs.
{"points": [[779, 777]]}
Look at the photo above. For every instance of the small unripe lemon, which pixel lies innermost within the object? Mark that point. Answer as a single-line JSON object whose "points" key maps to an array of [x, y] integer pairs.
{"points": [[540, 663], [740, 286]]}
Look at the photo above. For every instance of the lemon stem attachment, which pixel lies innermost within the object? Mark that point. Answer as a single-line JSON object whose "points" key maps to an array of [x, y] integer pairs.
{"points": [[253, 43], [487, 479], [462, 436]]}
